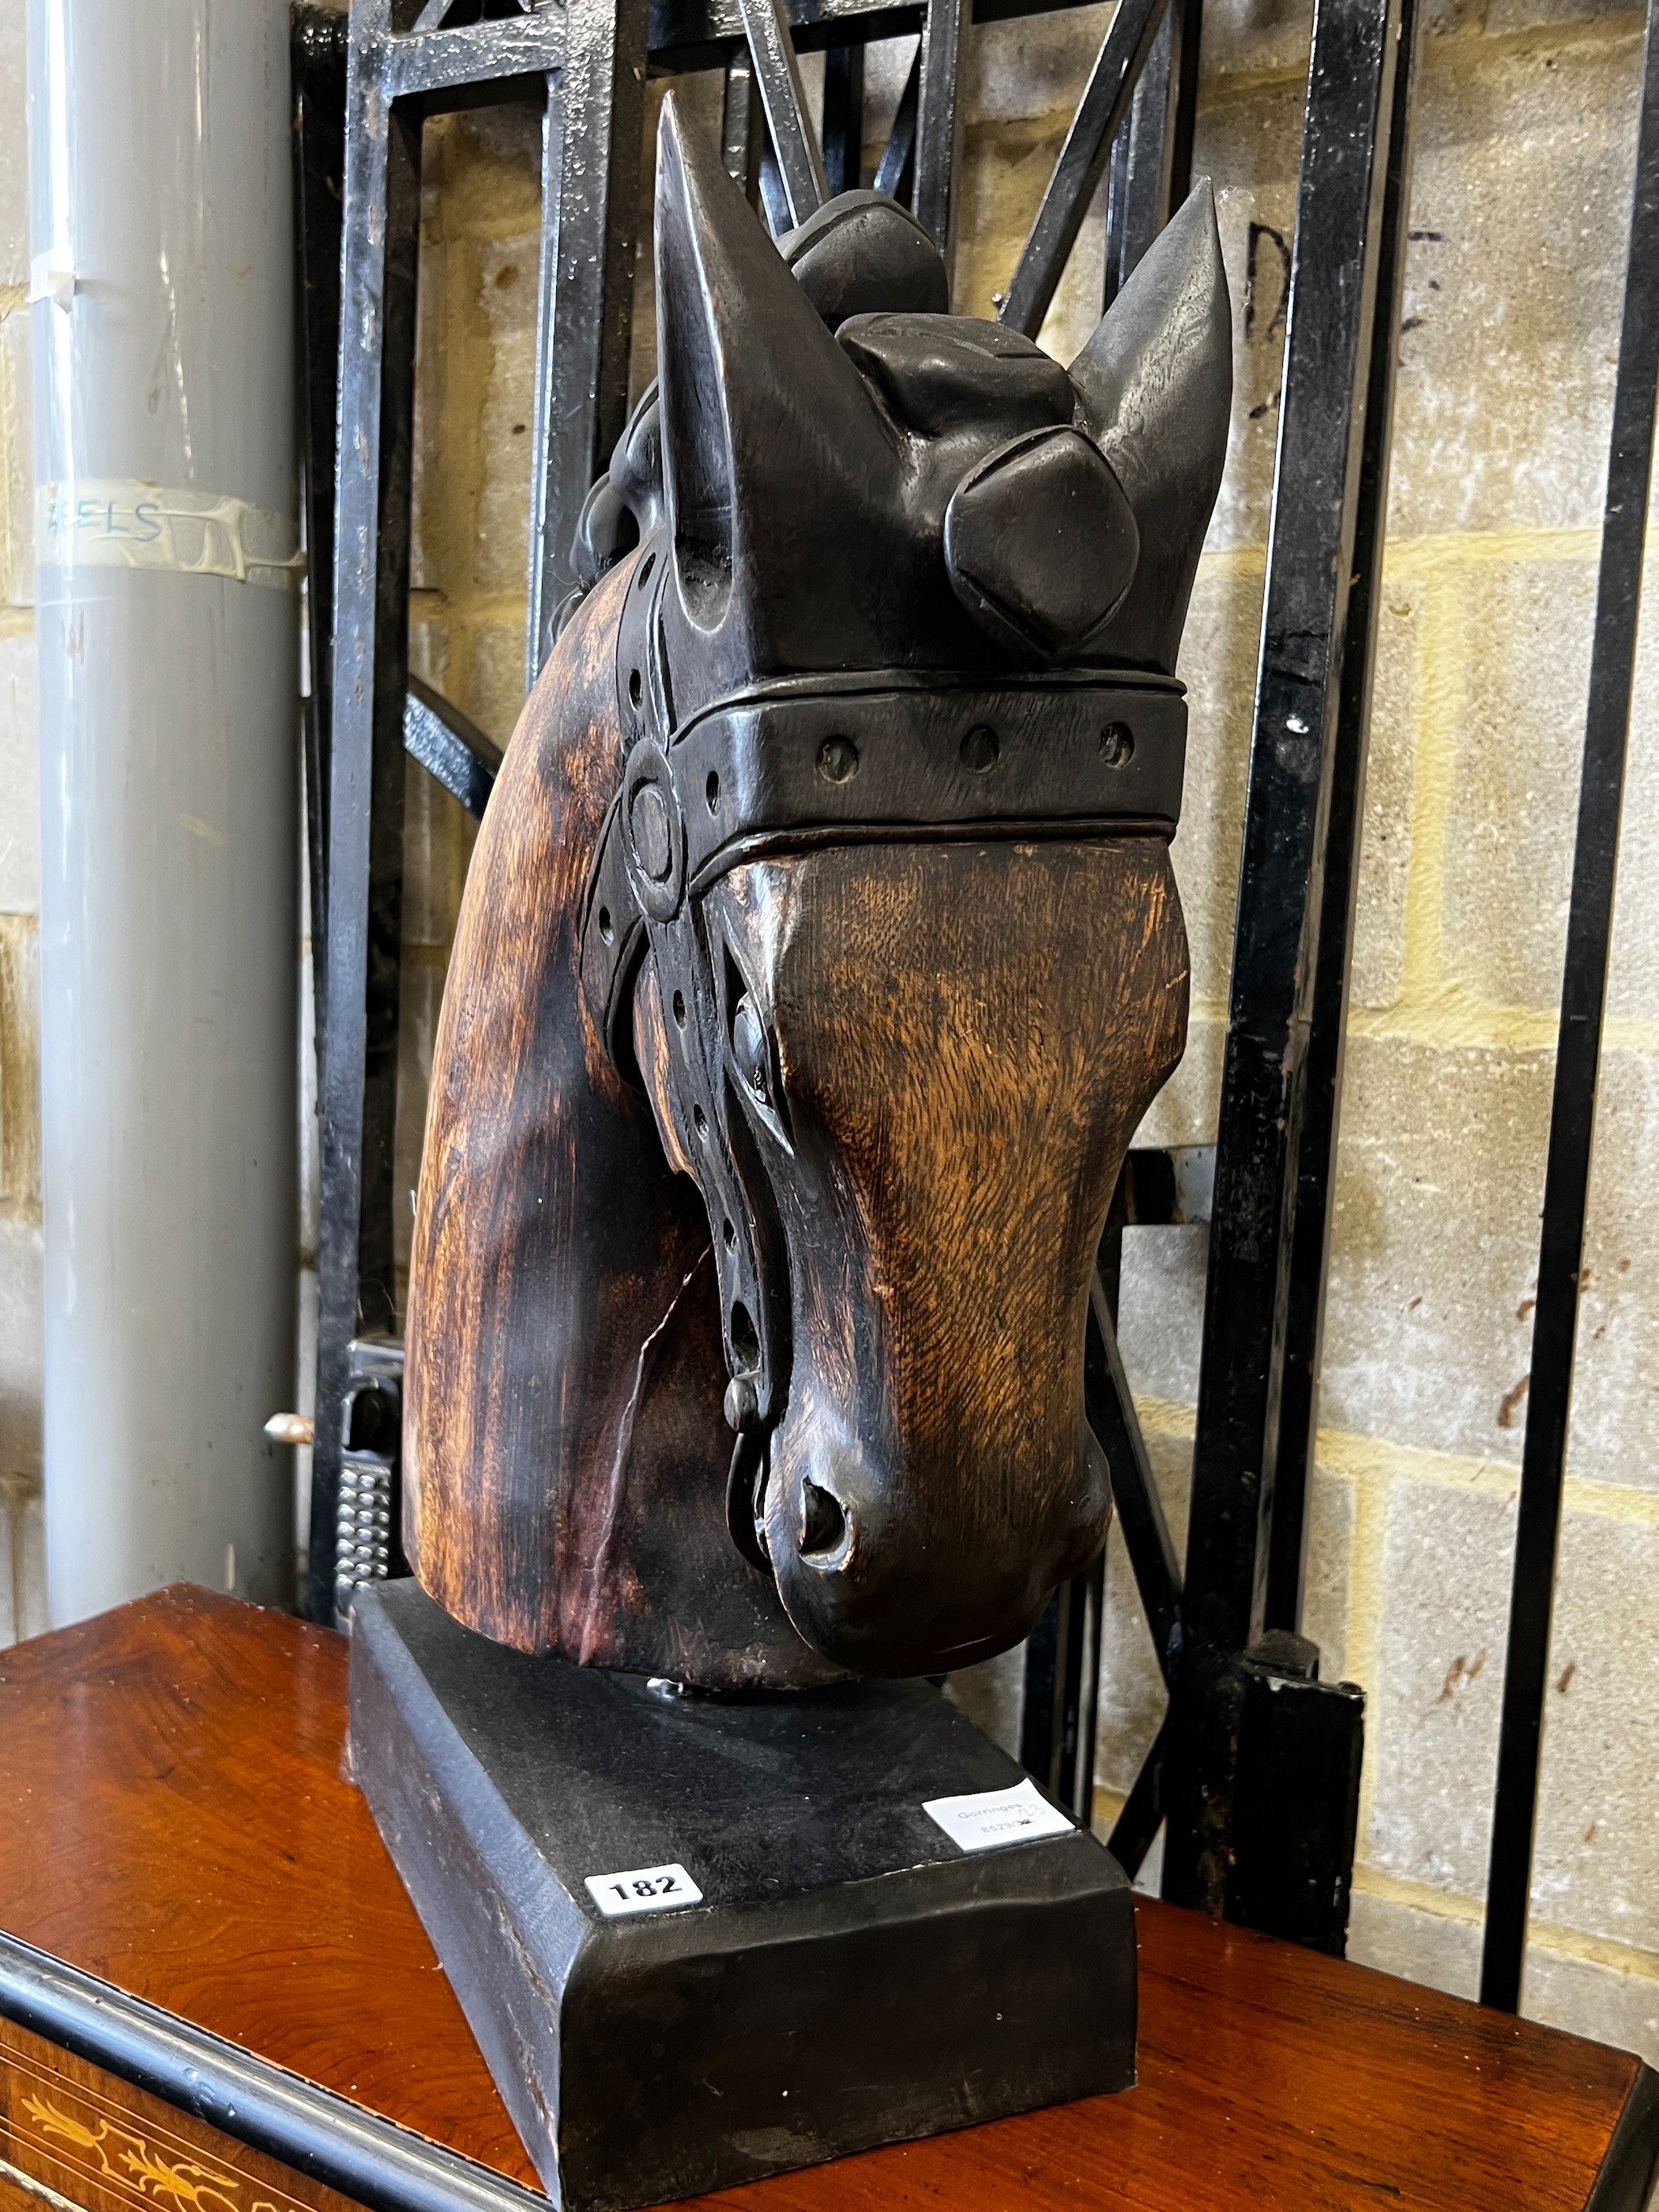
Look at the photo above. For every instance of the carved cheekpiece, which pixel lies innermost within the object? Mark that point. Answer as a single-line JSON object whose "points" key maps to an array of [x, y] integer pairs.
{"points": [[818, 957]]}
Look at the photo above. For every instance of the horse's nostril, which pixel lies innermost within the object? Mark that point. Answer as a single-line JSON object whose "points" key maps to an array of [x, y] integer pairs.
{"points": [[824, 1520]]}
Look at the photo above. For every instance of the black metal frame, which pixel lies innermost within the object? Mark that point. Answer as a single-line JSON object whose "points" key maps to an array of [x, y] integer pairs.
{"points": [[1251, 1781]]}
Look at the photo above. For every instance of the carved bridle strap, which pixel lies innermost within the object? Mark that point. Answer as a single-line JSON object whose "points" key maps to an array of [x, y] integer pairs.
{"points": [[884, 756]]}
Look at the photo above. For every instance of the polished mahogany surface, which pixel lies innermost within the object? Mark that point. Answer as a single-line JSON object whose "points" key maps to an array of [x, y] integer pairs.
{"points": [[175, 1816]]}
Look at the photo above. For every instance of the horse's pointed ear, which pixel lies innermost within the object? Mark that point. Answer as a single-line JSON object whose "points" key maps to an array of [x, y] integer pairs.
{"points": [[772, 449], [1156, 381]]}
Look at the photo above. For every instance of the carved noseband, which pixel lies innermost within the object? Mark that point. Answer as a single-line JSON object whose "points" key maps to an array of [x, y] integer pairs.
{"points": [[878, 756]]}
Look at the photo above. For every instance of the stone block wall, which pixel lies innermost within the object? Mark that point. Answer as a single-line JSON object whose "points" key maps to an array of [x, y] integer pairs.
{"points": [[1525, 137]]}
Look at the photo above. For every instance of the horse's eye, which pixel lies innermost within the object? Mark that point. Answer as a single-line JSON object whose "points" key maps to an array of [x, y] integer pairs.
{"points": [[749, 1049]]}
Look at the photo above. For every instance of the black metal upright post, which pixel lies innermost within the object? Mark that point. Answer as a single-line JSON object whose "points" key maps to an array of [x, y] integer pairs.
{"points": [[319, 64], [1316, 1162], [406, 62], [938, 120], [1577, 1070], [359, 1060], [1342, 202], [593, 122]]}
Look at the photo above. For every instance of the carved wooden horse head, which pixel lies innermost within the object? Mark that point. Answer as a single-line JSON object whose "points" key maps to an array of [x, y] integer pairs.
{"points": [[819, 956]]}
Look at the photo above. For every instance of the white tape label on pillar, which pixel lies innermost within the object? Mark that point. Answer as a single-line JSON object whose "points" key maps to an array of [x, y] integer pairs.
{"points": [[116, 522]]}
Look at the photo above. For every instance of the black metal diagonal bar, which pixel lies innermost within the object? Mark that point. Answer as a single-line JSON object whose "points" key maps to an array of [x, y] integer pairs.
{"points": [[1577, 1064], [1082, 163], [783, 97], [591, 138], [938, 120], [896, 167], [1142, 1815], [1111, 1414], [449, 747], [1315, 1167], [1327, 355]]}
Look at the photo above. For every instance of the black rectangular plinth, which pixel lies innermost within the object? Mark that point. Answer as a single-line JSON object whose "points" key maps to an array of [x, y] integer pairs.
{"points": [[850, 1977]]}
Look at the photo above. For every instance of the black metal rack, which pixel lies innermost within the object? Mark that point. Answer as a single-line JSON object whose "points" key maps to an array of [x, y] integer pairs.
{"points": [[1256, 1766]]}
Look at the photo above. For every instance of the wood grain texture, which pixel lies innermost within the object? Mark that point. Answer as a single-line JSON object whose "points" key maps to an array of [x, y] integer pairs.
{"points": [[112, 2147], [564, 1451], [967, 1034], [177, 1820]]}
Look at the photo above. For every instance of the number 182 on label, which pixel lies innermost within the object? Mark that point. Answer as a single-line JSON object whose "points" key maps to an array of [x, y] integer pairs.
{"points": [[647, 1889]]}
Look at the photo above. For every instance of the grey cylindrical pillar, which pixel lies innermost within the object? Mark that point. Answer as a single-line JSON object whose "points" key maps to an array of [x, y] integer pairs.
{"points": [[161, 221]]}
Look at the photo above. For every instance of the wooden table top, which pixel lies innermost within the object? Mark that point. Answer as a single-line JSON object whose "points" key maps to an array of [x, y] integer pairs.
{"points": [[176, 1817]]}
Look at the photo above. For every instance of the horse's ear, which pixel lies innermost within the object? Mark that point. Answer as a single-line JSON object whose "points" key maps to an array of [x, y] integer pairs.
{"points": [[1156, 381], [771, 448]]}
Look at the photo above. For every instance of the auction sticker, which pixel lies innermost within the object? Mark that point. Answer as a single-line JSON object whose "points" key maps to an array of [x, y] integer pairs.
{"points": [[647, 1889], [986, 1817]]}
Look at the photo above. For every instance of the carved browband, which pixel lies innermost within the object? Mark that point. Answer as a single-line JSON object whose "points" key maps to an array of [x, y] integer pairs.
{"points": [[861, 759]]}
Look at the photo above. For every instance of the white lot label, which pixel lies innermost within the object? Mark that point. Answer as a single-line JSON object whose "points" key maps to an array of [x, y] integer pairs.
{"points": [[989, 1817], [647, 1889]]}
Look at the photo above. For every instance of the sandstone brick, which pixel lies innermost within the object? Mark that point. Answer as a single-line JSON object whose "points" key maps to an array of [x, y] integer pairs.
{"points": [[14, 149], [1161, 1311], [1431, 1725], [1217, 666], [1618, 1342], [20, 1346], [990, 1695], [506, 287], [1255, 37], [493, 691], [1595, 1867], [438, 839], [20, 1067], [1016, 73], [418, 1025], [1524, 629], [16, 484], [1417, 1945], [1504, 16], [1184, 1111], [1379, 939], [1435, 1243], [1520, 207], [1249, 140], [1433, 1721], [22, 1560], [1326, 1592], [20, 782], [1591, 1999], [1131, 1694], [1633, 982]]}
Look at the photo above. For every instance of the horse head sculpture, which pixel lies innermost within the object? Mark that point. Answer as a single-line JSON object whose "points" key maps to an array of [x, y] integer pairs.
{"points": [[819, 955]]}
